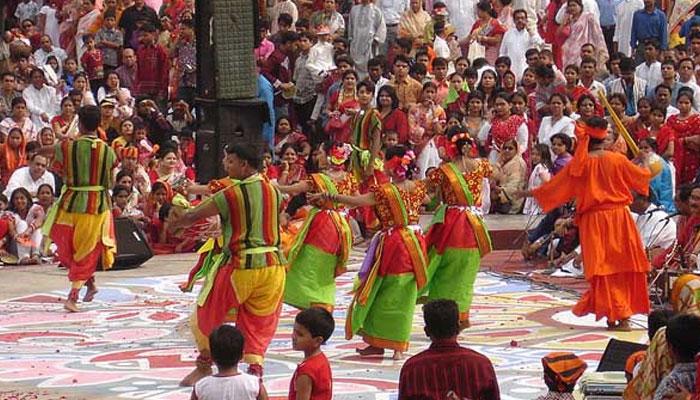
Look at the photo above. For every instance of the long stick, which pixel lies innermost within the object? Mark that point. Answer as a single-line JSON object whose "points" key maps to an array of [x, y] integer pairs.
{"points": [[619, 125]]}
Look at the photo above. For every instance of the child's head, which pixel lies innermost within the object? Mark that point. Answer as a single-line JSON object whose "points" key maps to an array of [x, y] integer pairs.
{"points": [[419, 72], [429, 92], [89, 41], [20, 199], [312, 328], [657, 115], [683, 339], [159, 192], [561, 144], [15, 138], [519, 101], [110, 19], [19, 108], [226, 344], [471, 75], [3, 202], [439, 68], [571, 74], [125, 179], [541, 155], [657, 319], [148, 33], [70, 65], [456, 81], [390, 139], [120, 196], [502, 65]]}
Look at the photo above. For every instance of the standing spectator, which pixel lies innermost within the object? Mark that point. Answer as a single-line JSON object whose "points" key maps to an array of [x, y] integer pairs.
{"points": [[8, 92], [624, 13], [407, 89], [93, 63], [632, 88], [515, 41], [392, 10], [366, 31], [561, 371], [581, 27], [153, 67], [88, 23], [650, 69], [283, 7], [607, 21], [27, 10], [329, 17], [305, 96], [139, 11], [127, 71], [46, 50], [110, 40], [422, 376], [284, 24], [42, 100], [648, 23], [185, 53], [277, 70], [48, 20], [487, 31], [413, 22], [587, 77]]}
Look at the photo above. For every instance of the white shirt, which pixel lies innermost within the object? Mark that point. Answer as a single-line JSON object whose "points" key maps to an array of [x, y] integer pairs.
{"points": [[39, 101], [650, 73], [671, 110], [588, 5], [462, 15], [22, 178], [392, 10], [655, 229], [238, 387], [514, 45], [441, 48], [548, 129], [595, 88], [378, 85], [283, 7], [624, 12], [41, 55], [51, 26], [320, 60]]}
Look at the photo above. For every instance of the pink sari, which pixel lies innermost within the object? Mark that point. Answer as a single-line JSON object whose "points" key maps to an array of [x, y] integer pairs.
{"points": [[585, 30]]}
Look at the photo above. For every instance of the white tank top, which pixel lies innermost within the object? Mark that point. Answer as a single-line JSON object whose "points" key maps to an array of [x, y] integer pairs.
{"points": [[238, 387]]}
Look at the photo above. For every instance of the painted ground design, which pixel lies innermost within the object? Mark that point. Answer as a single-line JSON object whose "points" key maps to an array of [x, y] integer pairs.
{"points": [[133, 342]]}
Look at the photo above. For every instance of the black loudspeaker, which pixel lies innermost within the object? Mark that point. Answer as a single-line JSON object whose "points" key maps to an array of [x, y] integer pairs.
{"points": [[616, 354], [132, 248]]}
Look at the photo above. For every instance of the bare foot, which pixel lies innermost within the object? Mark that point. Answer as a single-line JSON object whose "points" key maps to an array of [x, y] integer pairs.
{"points": [[71, 306], [194, 376], [90, 294], [370, 351], [398, 355]]}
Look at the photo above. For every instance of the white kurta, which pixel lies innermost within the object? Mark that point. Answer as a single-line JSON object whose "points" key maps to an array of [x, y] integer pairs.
{"points": [[548, 129], [655, 229], [623, 30], [320, 60], [650, 73], [514, 45], [283, 7], [462, 15], [366, 28], [39, 101]]}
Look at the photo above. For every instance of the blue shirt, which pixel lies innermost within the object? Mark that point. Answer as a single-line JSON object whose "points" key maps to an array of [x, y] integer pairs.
{"points": [[267, 93], [685, 28], [607, 12], [649, 25]]}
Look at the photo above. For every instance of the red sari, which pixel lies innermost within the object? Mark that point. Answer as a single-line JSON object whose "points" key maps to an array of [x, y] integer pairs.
{"points": [[686, 159], [663, 136]]}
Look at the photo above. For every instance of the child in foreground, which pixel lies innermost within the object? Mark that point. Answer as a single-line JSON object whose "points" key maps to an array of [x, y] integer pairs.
{"points": [[226, 344], [312, 379]]}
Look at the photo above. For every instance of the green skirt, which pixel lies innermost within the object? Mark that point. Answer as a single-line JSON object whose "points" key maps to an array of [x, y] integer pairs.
{"points": [[451, 276], [311, 279]]}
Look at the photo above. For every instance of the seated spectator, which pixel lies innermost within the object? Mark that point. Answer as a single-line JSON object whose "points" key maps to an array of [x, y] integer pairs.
{"points": [[420, 376], [292, 169], [170, 168], [159, 128], [8, 92], [109, 123], [122, 96], [13, 154], [684, 344], [31, 177], [26, 227], [18, 119], [129, 162], [124, 179], [65, 124], [122, 209], [509, 176], [127, 71], [82, 85], [126, 135], [180, 117], [5, 222], [561, 371]]}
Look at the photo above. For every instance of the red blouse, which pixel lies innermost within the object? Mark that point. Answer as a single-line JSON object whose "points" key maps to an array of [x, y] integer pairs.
{"points": [[396, 121]]}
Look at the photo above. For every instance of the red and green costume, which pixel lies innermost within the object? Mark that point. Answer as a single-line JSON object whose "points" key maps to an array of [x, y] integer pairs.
{"points": [[321, 248], [80, 222], [394, 269], [244, 275], [457, 238]]}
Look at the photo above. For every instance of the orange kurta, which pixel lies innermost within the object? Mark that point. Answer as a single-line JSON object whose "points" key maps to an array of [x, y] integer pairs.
{"points": [[614, 261]]}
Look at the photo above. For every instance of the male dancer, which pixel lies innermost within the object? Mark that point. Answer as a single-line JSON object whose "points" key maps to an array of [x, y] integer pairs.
{"points": [[80, 222], [616, 266], [245, 281]]}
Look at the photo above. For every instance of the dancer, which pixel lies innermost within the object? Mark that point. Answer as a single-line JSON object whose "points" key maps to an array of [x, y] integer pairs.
{"points": [[458, 237], [321, 248], [245, 280], [80, 222], [395, 267], [601, 182]]}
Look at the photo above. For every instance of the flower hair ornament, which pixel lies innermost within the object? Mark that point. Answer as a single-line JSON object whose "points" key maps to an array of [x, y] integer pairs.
{"points": [[401, 165], [340, 154], [461, 136], [473, 150]]}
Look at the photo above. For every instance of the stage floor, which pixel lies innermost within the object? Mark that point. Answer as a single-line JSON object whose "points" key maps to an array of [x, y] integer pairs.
{"points": [[133, 342]]}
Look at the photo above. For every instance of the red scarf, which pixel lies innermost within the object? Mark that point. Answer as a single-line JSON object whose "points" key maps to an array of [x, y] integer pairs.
{"points": [[505, 130]]}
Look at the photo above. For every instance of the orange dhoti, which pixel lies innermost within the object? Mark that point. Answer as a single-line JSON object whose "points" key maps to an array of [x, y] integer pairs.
{"points": [[615, 265]]}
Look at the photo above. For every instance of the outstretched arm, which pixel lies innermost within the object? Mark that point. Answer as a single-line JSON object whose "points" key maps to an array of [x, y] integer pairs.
{"points": [[205, 210], [363, 200], [295, 189]]}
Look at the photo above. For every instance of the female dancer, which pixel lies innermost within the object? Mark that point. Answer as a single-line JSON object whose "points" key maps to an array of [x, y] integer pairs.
{"points": [[321, 248], [458, 237], [395, 267]]}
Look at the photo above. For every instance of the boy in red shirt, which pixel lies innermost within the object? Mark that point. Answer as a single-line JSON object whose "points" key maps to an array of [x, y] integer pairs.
{"points": [[93, 63], [312, 379]]}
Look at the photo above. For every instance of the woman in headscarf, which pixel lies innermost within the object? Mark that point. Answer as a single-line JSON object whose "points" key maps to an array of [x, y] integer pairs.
{"points": [[601, 183]]}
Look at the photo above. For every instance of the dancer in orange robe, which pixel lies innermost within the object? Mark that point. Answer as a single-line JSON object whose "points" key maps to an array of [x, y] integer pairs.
{"points": [[615, 264]]}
